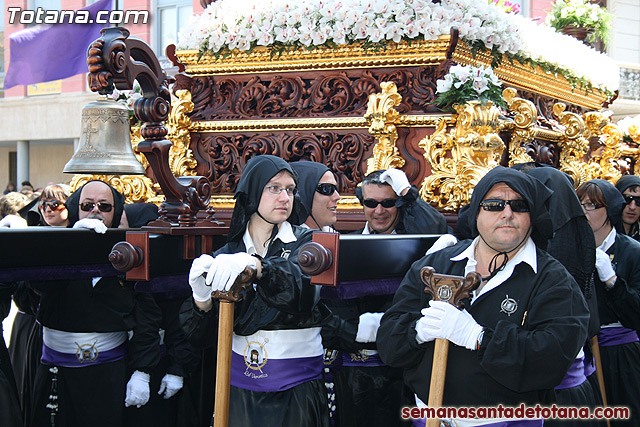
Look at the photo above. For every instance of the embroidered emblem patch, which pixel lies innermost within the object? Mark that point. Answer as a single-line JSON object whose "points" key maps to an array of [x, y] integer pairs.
{"points": [[285, 253], [87, 353], [508, 305], [255, 357], [330, 356]]}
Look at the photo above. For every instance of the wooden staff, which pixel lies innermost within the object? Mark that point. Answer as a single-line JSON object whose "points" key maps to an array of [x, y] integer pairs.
{"points": [[595, 349], [225, 331], [452, 289]]}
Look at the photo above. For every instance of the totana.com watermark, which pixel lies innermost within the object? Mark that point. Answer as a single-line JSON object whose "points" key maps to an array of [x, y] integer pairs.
{"points": [[42, 16]]}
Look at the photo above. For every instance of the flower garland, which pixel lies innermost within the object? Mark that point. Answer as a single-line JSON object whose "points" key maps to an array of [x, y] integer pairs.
{"points": [[284, 25]]}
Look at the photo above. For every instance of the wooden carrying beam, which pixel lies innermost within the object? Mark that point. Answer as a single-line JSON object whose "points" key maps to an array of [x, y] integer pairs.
{"points": [[361, 256]]}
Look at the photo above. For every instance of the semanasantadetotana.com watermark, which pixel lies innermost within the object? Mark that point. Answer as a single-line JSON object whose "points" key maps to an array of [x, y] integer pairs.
{"points": [[42, 16]]}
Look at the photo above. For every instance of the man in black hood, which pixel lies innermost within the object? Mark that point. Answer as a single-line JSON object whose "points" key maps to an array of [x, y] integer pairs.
{"points": [[629, 187], [521, 329], [86, 324], [276, 362]]}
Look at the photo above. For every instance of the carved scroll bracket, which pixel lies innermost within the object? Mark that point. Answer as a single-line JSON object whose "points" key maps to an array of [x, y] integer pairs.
{"points": [[523, 127], [381, 117], [603, 162], [461, 157], [573, 144]]}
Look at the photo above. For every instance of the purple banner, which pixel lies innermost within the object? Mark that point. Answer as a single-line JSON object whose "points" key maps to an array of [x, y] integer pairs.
{"points": [[51, 52]]}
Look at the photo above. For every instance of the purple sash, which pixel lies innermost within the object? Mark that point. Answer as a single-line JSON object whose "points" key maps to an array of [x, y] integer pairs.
{"points": [[575, 375], [616, 335], [274, 374], [81, 359], [361, 359]]}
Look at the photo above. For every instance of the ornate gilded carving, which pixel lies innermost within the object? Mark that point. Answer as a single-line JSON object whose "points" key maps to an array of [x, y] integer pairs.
{"points": [[461, 157], [310, 94], [222, 156], [523, 129], [381, 117], [134, 188], [603, 162], [573, 144], [181, 159]]}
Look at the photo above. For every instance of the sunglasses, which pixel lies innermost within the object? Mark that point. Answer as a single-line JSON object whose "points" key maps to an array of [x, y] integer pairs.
{"points": [[630, 199], [386, 203], [497, 205], [326, 189], [102, 206], [54, 205]]}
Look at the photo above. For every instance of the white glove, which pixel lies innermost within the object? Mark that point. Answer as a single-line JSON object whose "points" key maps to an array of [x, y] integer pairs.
{"points": [[603, 265], [200, 266], [91, 224], [444, 320], [170, 385], [368, 327], [226, 268], [422, 332], [137, 390], [443, 241], [13, 221], [397, 179]]}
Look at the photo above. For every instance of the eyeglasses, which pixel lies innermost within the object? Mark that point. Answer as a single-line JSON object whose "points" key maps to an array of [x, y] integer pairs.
{"points": [[498, 205], [591, 206], [102, 206], [373, 203], [54, 205], [276, 189], [630, 199], [326, 189]]}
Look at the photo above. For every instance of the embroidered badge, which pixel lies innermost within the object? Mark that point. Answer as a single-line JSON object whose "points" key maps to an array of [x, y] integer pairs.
{"points": [[330, 356], [360, 356], [508, 305], [285, 253], [255, 357], [444, 293], [87, 353]]}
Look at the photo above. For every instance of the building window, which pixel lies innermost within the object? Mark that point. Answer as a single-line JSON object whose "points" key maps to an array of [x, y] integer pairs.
{"points": [[172, 16]]}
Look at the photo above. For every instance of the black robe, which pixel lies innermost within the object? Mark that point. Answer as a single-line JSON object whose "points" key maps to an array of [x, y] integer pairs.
{"points": [[10, 415], [111, 306], [621, 363], [282, 299], [524, 354]]}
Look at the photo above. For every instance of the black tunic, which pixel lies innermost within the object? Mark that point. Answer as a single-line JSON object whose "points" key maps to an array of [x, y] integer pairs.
{"points": [[621, 363], [524, 354], [282, 299], [109, 306], [10, 415]]}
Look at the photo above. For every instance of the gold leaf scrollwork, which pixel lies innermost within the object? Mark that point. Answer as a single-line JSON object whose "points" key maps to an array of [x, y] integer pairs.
{"points": [[573, 144], [381, 117], [523, 126], [181, 158], [461, 157], [134, 188], [603, 162]]}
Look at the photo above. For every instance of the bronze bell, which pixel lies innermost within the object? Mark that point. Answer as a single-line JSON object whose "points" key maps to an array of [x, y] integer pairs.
{"points": [[105, 143]]}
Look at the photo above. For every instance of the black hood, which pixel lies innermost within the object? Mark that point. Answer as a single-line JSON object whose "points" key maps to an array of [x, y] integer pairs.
{"points": [[532, 190], [613, 198], [139, 214], [73, 207], [309, 174], [626, 182], [256, 174], [564, 205]]}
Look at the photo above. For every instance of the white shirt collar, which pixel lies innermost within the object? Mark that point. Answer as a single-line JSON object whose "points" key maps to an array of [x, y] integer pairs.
{"points": [[326, 228], [609, 240], [366, 229], [285, 235], [526, 254]]}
